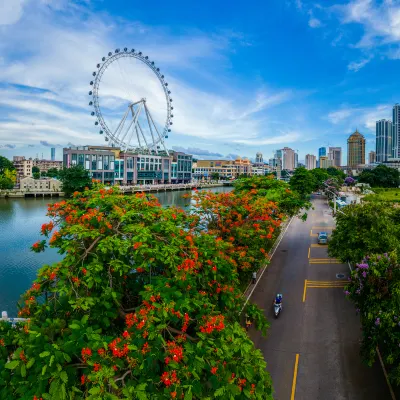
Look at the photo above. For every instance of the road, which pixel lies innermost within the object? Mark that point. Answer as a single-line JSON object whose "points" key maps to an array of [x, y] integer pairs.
{"points": [[323, 330]]}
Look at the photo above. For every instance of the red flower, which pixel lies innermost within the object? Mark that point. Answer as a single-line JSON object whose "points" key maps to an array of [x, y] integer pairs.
{"points": [[137, 245], [86, 353], [214, 370], [101, 352], [173, 216], [125, 334], [173, 394], [115, 368], [84, 271], [145, 348], [83, 379], [96, 367], [53, 276]]}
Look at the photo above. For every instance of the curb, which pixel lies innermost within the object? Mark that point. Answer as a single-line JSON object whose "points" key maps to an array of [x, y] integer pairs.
{"points": [[261, 271]]}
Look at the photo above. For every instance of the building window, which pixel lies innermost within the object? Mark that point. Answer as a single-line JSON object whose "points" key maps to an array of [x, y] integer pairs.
{"points": [[94, 162]]}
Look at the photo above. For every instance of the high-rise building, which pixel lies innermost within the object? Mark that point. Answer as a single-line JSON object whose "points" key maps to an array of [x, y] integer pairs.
{"points": [[396, 131], [53, 153], [311, 161], [371, 157], [259, 158], [325, 162], [321, 152], [384, 134], [288, 158], [335, 155], [296, 160], [355, 149]]}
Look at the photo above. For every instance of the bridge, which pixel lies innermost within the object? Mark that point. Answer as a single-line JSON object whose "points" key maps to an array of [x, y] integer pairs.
{"points": [[169, 187]]}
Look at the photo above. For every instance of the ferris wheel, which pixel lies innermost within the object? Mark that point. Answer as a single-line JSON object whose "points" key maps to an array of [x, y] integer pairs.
{"points": [[132, 102]]}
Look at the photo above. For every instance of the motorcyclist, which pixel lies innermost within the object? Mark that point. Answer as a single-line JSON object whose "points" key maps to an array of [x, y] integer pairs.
{"points": [[278, 299], [248, 322]]}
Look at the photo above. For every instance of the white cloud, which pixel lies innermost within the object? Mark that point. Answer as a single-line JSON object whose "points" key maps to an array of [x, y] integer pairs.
{"points": [[10, 11], [60, 56], [357, 65], [381, 22], [364, 117], [290, 137], [314, 23]]}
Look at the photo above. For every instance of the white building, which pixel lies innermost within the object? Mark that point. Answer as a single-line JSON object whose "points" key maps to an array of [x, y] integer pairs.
{"points": [[288, 157], [311, 161], [37, 185]]}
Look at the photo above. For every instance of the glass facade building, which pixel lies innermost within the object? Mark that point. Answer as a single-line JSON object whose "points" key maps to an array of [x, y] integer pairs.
{"points": [[111, 165], [384, 146], [396, 132]]}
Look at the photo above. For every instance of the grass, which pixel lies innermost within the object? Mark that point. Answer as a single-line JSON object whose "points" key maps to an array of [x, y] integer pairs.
{"points": [[384, 195]]}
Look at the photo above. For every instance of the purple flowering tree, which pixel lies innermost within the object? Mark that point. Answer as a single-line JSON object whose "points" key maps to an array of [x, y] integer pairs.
{"points": [[349, 181], [374, 287]]}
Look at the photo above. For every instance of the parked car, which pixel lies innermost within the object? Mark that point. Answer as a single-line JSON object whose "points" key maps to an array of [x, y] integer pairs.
{"points": [[322, 238]]}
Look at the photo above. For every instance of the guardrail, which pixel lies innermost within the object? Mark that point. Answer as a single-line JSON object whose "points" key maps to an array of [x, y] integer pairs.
{"points": [[13, 321]]}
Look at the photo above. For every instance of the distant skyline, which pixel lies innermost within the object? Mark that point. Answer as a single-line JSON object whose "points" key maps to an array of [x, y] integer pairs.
{"points": [[244, 79]]}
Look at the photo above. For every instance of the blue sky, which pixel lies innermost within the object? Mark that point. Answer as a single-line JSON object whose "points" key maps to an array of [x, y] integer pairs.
{"points": [[244, 78]]}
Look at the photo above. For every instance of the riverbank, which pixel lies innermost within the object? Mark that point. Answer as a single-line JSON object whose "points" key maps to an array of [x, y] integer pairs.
{"points": [[18, 194]]}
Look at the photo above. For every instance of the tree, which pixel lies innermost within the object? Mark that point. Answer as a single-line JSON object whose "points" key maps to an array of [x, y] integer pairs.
{"points": [[374, 289], [53, 173], [5, 164], [36, 170], [364, 229], [332, 171], [74, 179], [320, 175], [349, 181], [215, 176], [43, 174], [36, 175], [144, 305], [381, 176], [303, 182], [8, 179]]}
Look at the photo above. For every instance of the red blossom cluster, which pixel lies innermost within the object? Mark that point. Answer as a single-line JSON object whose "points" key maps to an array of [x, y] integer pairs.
{"points": [[86, 353], [168, 378], [116, 350], [175, 352], [213, 323]]}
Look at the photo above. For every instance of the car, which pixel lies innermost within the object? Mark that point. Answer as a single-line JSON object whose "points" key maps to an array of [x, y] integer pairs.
{"points": [[322, 238]]}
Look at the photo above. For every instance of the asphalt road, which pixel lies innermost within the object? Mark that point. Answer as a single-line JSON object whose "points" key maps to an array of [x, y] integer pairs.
{"points": [[323, 330]]}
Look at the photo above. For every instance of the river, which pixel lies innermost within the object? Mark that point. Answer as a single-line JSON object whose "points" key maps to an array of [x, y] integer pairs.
{"points": [[20, 222]]}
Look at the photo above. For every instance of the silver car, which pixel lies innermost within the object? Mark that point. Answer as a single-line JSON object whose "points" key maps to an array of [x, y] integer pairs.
{"points": [[322, 238]]}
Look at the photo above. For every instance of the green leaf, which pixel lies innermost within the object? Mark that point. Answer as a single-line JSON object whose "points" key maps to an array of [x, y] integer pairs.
{"points": [[44, 369], [51, 360], [44, 354], [64, 376], [12, 364], [188, 395], [94, 390], [23, 370], [30, 363], [74, 326]]}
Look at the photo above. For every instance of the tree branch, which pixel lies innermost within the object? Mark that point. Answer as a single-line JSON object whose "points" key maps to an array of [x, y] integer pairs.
{"points": [[169, 328], [123, 377]]}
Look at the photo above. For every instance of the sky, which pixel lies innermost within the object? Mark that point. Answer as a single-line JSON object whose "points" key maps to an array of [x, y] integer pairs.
{"points": [[244, 77]]}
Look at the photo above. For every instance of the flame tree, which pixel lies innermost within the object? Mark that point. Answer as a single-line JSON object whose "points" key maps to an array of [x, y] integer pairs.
{"points": [[145, 302]]}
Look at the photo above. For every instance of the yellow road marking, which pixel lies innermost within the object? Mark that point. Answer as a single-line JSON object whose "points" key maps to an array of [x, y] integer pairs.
{"points": [[325, 281], [326, 286], [309, 249], [323, 227], [313, 234], [319, 245], [305, 290], [296, 364]]}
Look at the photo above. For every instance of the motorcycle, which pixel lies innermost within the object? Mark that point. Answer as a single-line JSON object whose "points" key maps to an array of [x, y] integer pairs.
{"points": [[277, 309]]}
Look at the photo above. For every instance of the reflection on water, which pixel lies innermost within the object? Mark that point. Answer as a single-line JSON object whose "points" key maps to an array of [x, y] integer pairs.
{"points": [[20, 222]]}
